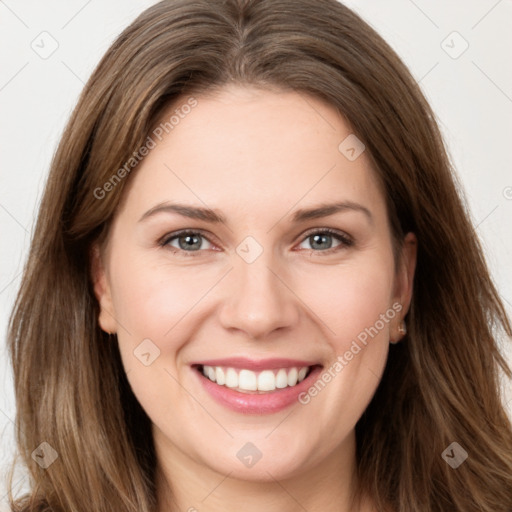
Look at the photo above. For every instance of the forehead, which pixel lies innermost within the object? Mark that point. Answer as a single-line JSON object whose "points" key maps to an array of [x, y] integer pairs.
{"points": [[254, 151]]}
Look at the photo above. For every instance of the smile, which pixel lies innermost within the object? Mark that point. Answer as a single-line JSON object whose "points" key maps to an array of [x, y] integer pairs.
{"points": [[248, 381], [256, 387]]}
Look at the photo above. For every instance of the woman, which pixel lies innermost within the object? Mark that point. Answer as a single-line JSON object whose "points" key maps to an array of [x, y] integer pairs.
{"points": [[253, 282]]}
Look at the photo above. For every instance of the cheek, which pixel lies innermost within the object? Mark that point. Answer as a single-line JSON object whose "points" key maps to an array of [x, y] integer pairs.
{"points": [[353, 304], [150, 298], [159, 302], [347, 299], [154, 306]]}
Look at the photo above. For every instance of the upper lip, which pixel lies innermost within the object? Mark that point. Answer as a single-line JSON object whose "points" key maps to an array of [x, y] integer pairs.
{"points": [[256, 365]]}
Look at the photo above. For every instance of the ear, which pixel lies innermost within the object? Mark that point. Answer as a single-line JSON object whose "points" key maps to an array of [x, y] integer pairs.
{"points": [[102, 291], [404, 281]]}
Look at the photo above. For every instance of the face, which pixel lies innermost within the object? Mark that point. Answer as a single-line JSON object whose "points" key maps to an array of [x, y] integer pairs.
{"points": [[227, 257]]}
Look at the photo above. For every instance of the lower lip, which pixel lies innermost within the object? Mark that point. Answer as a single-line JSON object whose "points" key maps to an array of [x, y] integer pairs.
{"points": [[266, 403]]}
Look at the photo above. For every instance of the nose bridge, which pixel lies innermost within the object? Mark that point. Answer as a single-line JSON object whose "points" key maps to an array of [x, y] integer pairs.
{"points": [[258, 301]]}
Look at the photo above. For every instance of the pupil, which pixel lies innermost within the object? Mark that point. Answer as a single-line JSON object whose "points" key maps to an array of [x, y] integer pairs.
{"points": [[318, 239], [191, 242]]}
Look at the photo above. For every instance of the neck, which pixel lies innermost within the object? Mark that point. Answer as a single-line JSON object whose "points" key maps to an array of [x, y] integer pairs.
{"points": [[185, 485]]}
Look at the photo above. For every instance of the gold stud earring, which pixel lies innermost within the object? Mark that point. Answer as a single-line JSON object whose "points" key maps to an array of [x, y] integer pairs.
{"points": [[402, 329]]}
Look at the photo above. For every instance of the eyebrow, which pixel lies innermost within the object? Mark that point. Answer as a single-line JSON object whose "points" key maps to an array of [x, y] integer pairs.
{"points": [[324, 210], [214, 217], [192, 212]]}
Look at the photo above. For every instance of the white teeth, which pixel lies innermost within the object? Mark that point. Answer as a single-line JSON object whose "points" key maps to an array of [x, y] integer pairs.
{"points": [[220, 376], [281, 379], [292, 376], [302, 374], [212, 374], [231, 378], [247, 380], [266, 381]]}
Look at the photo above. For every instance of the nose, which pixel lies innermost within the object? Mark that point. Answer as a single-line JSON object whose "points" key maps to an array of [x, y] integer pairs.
{"points": [[258, 299]]}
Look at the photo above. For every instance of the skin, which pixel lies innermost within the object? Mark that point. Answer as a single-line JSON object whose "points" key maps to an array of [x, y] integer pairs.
{"points": [[255, 156]]}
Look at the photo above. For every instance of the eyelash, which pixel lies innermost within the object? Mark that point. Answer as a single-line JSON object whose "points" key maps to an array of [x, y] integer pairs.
{"points": [[345, 240]]}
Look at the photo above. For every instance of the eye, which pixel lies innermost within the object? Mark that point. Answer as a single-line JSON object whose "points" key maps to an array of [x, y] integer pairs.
{"points": [[186, 241], [322, 240]]}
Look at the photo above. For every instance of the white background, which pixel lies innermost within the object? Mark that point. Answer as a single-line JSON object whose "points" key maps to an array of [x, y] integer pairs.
{"points": [[471, 95]]}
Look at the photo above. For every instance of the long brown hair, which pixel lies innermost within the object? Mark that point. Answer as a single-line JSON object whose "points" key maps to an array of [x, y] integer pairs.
{"points": [[441, 384]]}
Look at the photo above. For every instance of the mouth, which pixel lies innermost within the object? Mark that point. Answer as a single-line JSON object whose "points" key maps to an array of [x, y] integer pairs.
{"points": [[256, 388], [253, 382]]}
